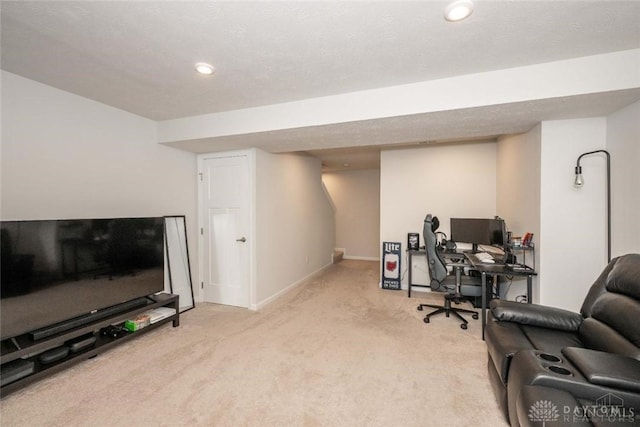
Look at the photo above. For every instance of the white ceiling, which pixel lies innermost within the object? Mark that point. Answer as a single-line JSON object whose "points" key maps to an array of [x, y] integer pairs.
{"points": [[138, 56]]}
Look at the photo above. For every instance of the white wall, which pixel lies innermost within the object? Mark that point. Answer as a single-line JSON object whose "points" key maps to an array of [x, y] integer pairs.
{"points": [[623, 143], [64, 156], [571, 223], [457, 180], [518, 196], [572, 244], [356, 197], [294, 222]]}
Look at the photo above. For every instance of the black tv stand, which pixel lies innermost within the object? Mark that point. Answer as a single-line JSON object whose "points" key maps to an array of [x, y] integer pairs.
{"points": [[67, 325], [25, 348]]}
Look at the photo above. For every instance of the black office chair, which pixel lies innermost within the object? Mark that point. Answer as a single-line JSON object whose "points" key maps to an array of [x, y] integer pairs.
{"points": [[442, 281]]}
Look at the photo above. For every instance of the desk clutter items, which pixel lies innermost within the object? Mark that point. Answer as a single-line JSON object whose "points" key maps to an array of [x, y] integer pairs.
{"points": [[485, 257], [518, 267], [521, 242], [391, 265], [413, 241]]}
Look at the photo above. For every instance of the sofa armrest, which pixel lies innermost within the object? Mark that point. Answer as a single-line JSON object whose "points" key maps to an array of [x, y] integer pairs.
{"points": [[535, 315], [606, 369]]}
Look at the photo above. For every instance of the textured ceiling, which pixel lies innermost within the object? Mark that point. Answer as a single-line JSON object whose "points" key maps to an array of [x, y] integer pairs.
{"points": [[138, 55]]}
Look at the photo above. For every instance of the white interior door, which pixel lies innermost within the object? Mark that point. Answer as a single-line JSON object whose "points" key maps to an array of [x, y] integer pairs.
{"points": [[226, 204]]}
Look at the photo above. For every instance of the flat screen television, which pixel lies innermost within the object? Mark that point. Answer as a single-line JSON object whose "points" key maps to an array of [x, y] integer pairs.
{"points": [[478, 231], [56, 270]]}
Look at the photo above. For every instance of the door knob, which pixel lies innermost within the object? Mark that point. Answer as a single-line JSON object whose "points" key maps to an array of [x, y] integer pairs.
{"points": [[242, 239]]}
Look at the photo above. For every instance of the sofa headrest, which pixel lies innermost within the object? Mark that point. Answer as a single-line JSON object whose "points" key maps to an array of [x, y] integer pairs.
{"points": [[624, 277], [598, 288]]}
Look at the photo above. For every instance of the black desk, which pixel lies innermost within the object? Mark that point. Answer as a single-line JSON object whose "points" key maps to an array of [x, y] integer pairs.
{"points": [[497, 269]]}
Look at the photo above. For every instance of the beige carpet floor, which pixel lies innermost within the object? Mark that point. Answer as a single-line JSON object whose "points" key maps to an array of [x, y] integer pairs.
{"points": [[335, 351]]}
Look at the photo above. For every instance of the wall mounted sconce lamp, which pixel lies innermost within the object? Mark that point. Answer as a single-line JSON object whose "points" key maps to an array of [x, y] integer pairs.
{"points": [[579, 182]]}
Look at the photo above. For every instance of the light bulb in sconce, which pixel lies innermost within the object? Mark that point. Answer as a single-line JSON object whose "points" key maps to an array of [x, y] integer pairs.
{"points": [[579, 182]]}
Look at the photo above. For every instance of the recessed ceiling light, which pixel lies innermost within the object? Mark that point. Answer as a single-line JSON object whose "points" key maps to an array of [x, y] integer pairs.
{"points": [[204, 68], [458, 10]]}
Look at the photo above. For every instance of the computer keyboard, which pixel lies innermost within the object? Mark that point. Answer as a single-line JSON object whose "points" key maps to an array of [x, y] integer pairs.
{"points": [[485, 257]]}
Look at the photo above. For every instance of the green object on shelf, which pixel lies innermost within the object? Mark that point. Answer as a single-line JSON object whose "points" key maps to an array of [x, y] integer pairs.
{"points": [[137, 323], [130, 326]]}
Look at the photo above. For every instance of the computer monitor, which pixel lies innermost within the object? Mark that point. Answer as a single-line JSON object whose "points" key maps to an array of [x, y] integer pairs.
{"points": [[478, 231]]}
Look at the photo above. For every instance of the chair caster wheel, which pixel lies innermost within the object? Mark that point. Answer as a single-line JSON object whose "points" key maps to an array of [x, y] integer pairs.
{"points": [[463, 326], [419, 308], [425, 320], [475, 316]]}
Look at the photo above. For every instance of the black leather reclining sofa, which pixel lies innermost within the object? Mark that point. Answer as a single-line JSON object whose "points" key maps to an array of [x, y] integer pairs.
{"points": [[578, 368]]}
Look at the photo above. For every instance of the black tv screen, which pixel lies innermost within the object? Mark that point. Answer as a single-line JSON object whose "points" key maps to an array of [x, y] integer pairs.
{"points": [[55, 270]]}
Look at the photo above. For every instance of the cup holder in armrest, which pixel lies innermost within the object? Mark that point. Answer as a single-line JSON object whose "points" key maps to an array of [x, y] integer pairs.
{"points": [[559, 370], [549, 357]]}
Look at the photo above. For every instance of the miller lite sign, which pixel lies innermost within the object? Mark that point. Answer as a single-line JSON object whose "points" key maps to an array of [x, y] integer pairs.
{"points": [[391, 265]]}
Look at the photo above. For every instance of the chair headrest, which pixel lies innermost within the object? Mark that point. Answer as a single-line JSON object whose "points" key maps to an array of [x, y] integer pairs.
{"points": [[435, 222]]}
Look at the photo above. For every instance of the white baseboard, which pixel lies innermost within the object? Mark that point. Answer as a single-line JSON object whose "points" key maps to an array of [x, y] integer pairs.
{"points": [[355, 257], [292, 286], [362, 258], [405, 287]]}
